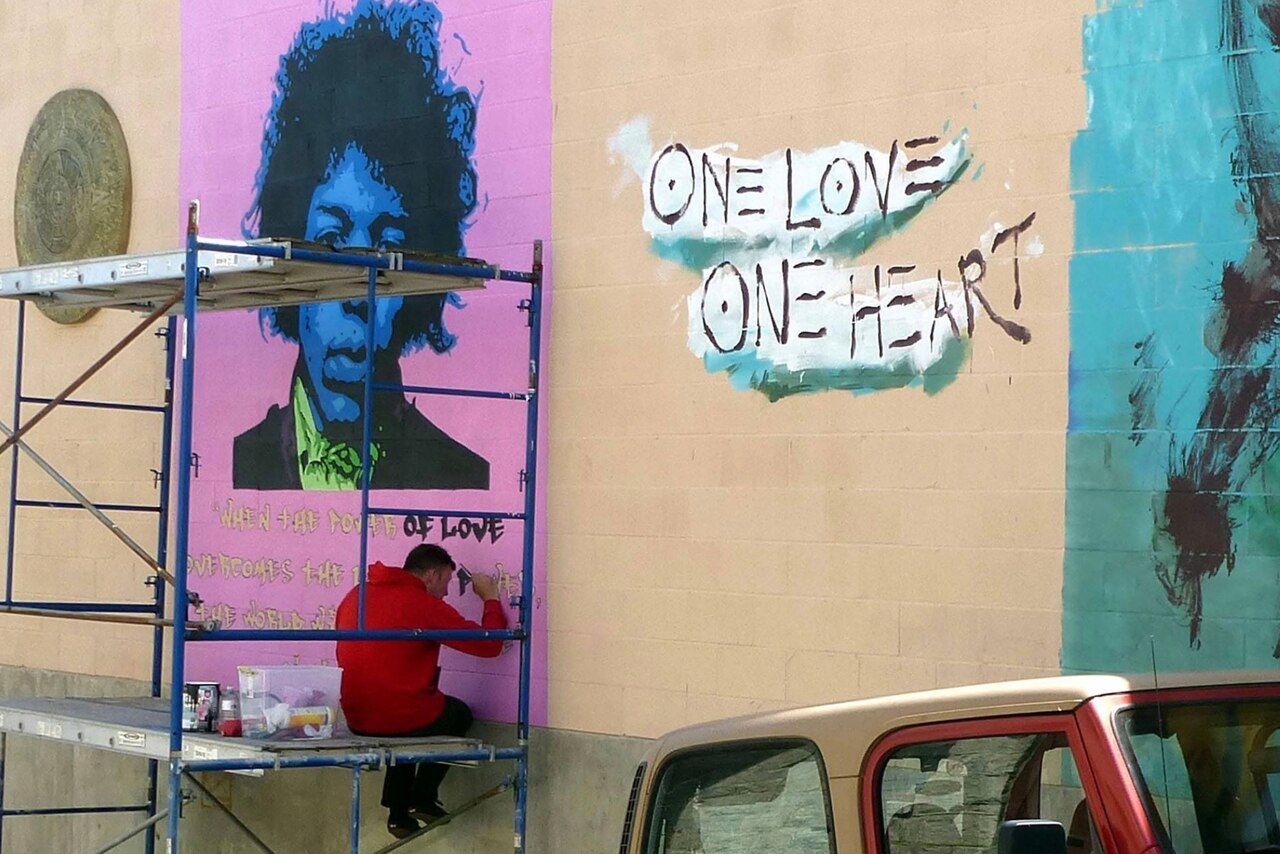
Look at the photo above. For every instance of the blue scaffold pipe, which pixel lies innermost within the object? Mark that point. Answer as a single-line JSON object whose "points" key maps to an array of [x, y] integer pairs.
{"points": [[344, 760], [101, 404], [198, 634], [452, 392], [355, 809], [516, 276], [370, 261], [366, 441], [279, 760], [298, 253], [529, 541], [165, 467], [465, 271], [477, 755], [452, 514], [182, 525], [153, 786], [87, 607], [76, 810], [3, 746], [73, 505], [13, 471]]}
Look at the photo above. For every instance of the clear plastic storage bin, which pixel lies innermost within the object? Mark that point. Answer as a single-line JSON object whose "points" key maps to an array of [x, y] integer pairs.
{"points": [[283, 701]]}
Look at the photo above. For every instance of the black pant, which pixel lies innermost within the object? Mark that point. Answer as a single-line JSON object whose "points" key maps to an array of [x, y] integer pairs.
{"points": [[411, 784]]}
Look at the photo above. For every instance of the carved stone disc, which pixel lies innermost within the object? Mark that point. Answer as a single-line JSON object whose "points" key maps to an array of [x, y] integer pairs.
{"points": [[74, 194]]}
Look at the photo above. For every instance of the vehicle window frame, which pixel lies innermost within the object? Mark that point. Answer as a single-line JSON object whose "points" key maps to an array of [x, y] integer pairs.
{"points": [[871, 777], [1167, 700], [777, 743], [1138, 779]]}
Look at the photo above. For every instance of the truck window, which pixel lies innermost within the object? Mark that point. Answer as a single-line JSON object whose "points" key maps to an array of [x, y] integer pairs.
{"points": [[1209, 772], [1162, 760], [945, 795], [739, 798]]}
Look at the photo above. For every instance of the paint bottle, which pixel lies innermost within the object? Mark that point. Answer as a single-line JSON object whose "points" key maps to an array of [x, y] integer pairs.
{"points": [[229, 712]]}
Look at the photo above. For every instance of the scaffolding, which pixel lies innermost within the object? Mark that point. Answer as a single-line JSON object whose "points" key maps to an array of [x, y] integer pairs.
{"points": [[175, 287]]}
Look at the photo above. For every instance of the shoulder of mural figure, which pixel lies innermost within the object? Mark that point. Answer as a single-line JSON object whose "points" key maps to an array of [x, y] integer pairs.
{"points": [[265, 456], [419, 455]]}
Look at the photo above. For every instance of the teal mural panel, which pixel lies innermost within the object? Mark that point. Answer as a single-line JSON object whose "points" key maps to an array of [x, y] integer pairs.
{"points": [[1172, 507]]}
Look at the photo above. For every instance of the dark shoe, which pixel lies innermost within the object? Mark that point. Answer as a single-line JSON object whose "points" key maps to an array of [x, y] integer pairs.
{"points": [[430, 813], [401, 826]]}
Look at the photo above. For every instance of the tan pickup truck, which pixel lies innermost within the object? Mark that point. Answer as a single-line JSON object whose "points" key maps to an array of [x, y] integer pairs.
{"points": [[1080, 764]]}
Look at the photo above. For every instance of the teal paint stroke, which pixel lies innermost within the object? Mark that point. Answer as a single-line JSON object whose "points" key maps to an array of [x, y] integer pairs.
{"points": [[1159, 214], [749, 371]]}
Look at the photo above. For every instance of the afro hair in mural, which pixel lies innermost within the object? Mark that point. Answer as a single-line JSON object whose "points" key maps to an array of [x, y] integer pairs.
{"points": [[367, 144], [371, 77]]}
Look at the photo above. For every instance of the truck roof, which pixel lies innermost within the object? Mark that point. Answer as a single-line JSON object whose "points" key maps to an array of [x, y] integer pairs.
{"points": [[846, 730]]}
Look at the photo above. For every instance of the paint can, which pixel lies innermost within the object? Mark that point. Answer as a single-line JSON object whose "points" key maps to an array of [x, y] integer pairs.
{"points": [[199, 706]]}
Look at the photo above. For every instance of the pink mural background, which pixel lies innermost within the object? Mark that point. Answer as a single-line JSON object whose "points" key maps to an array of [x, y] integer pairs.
{"points": [[285, 558]]}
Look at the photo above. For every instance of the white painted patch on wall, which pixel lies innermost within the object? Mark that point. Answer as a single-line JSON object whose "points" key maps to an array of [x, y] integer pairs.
{"points": [[630, 145], [781, 306]]}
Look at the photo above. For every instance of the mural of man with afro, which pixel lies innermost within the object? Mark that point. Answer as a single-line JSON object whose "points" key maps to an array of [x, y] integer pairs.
{"points": [[368, 144]]}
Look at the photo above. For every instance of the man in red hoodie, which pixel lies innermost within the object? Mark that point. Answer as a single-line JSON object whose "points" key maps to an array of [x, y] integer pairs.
{"points": [[390, 688]]}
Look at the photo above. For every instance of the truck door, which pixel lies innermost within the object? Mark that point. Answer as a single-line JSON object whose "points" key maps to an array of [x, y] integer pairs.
{"points": [[946, 788]]}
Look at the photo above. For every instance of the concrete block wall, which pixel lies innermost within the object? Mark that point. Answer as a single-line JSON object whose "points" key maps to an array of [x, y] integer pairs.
{"points": [[692, 525], [43, 774], [128, 53], [712, 552]]}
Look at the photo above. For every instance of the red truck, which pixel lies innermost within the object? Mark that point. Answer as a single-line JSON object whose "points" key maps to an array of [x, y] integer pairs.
{"points": [[1082, 764]]}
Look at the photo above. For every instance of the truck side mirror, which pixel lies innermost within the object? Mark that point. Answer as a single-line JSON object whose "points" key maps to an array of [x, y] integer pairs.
{"points": [[1032, 837]]}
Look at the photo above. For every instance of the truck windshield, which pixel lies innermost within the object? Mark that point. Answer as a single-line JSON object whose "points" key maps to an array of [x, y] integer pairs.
{"points": [[1208, 772]]}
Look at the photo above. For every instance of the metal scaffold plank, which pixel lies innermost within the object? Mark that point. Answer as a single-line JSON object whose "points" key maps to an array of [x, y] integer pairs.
{"points": [[238, 275]]}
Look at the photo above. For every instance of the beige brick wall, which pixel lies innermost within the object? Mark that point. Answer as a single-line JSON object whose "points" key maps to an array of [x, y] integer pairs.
{"points": [[713, 553], [127, 51], [710, 552]]}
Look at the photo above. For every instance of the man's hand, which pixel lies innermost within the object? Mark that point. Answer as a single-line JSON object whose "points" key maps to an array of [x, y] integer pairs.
{"points": [[485, 586]]}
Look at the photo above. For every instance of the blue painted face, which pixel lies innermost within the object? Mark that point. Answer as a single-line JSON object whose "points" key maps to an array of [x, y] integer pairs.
{"points": [[352, 208]]}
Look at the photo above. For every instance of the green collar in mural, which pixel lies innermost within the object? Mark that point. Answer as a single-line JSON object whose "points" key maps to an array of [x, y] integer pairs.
{"points": [[322, 463]]}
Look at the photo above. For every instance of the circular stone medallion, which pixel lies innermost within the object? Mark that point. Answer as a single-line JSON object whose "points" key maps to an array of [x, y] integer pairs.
{"points": [[74, 191]]}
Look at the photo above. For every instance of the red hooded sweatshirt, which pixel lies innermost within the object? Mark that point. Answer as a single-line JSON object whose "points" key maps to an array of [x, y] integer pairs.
{"points": [[389, 687]]}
